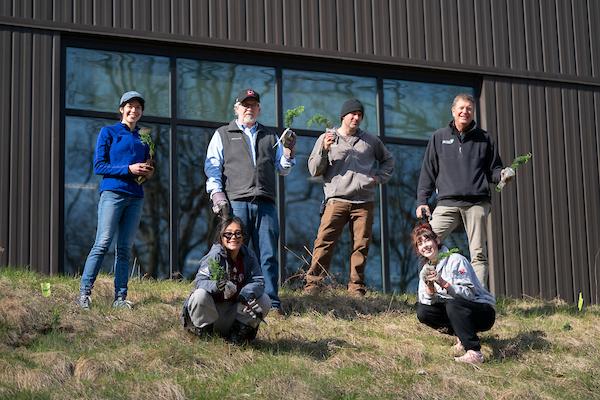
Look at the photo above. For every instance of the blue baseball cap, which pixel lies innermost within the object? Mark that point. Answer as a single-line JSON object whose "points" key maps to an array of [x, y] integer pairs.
{"points": [[131, 95]]}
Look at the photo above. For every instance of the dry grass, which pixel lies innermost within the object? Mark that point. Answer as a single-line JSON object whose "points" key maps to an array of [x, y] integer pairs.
{"points": [[328, 347]]}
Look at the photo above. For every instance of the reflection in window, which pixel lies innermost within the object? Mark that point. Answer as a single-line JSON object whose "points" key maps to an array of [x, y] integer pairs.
{"points": [[96, 80], [414, 110], [324, 93], [196, 221], [303, 196], [402, 194], [206, 90], [151, 248]]}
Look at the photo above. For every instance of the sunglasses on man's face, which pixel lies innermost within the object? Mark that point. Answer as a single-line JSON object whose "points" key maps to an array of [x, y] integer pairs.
{"points": [[229, 235]]}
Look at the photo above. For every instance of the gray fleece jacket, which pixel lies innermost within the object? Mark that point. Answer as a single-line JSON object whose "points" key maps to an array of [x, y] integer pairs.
{"points": [[352, 167]]}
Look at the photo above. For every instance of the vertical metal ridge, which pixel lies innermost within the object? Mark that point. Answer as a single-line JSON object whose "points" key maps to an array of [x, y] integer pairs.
{"points": [[6, 61]]}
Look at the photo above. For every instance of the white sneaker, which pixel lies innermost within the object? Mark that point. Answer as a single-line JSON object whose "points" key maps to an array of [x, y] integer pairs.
{"points": [[470, 357]]}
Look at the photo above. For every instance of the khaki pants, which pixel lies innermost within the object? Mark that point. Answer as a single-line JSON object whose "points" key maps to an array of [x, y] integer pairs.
{"points": [[337, 214], [204, 311], [445, 219]]}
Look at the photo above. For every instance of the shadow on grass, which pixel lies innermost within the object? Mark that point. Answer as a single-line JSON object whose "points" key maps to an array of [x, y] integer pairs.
{"points": [[343, 306], [513, 348], [319, 350]]}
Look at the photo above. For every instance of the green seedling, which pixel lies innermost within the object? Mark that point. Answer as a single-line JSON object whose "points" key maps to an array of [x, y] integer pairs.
{"points": [[146, 138], [448, 253], [217, 272], [517, 162], [320, 120], [292, 114]]}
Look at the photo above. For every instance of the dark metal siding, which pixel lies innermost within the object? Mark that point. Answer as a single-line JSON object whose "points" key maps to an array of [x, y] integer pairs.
{"points": [[546, 226], [539, 62], [552, 38], [28, 229]]}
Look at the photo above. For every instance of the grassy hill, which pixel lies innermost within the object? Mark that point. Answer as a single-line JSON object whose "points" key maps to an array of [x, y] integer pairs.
{"points": [[327, 347]]}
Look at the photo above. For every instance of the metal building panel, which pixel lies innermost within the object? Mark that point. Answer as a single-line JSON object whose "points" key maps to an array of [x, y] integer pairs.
{"points": [[557, 127], [517, 40], [488, 118], [22, 8], [416, 32], [466, 32], [5, 139], [594, 17], [504, 134], [273, 22], [575, 191], [161, 16], [433, 30], [6, 8], [596, 241], [500, 34], [292, 23], [63, 12], [381, 28], [483, 33], [398, 29], [581, 27], [199, 19], [103, 13], [533, 36], [541, 170], [524, 185], [549, 36], [20, 144], [590, 136], [311, 35], [42, 10], [328, 25], [236, 23], [566, 41], [348, 29], [123, 14], [40, 152], [83, 12], [142, 16], [181, 12], [450, 34], [55, 258]]}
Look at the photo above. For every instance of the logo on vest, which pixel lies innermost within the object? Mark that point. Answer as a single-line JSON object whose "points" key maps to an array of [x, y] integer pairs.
{"points": [[448, 141]]}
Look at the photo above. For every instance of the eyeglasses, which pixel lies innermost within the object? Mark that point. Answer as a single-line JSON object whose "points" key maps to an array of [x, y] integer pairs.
{"points": [[229, 235]]}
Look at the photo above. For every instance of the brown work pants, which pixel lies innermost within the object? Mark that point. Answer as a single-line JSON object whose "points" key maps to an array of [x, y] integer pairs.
{"points": [[337, 214]]}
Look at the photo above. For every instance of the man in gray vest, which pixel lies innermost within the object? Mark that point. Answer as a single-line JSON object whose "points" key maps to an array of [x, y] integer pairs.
{"points": [[241, 163]]}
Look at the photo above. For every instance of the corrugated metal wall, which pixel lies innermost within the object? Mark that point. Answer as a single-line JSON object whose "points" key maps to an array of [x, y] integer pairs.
{"points": [[545, 38], [539, 61], [29, 149]]}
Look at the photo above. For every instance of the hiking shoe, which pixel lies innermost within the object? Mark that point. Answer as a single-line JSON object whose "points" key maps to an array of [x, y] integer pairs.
{"points": [[120, 302], [470, 357], [84, 301], [458, 347], [311, 290], [203, 332], [241, 333], [276, 312]]}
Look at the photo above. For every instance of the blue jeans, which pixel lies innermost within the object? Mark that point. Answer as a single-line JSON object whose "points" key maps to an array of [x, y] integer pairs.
{"points": [[117, 213], [262, 227]]}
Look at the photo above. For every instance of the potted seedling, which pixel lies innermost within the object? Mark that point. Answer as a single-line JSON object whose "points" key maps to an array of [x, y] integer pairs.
{"points": [[517, 162], [287, 137], [146, 138], [217, 272], [321, 120]]}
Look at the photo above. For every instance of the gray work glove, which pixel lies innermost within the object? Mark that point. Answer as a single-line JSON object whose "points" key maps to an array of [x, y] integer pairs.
{"points": [[425, 271], [229, 290], [220, 204], [254, 309], [288, 139]]}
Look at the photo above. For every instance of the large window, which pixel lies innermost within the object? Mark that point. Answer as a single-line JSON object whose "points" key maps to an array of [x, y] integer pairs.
{"points": [[186, 99]]}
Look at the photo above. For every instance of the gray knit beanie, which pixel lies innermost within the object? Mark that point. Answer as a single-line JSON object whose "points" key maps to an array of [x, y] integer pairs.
{"points": [[350, 106]]}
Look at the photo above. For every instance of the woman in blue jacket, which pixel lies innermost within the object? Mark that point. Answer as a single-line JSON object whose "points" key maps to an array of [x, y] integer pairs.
{"points": [[120, 158], [229, 289]]}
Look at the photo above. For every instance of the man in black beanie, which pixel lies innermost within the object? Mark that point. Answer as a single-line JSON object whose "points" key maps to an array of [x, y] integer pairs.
{"points": [[346, 159]]}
